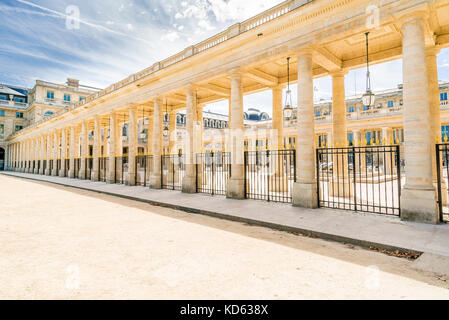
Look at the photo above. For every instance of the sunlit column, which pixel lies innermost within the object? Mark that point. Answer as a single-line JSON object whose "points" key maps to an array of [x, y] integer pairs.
{"points": [[72, 152], [112, 149], [95, 176], [84, 149], [156, 176], [55, 153], [48, 155], [132, 146], [304, 190], [418, 197], [191, 142], [63, 152], [236, 183]]}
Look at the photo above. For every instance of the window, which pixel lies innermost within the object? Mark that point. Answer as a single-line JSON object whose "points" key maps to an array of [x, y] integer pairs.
{"points": [[317, 113], [50, 95], [443, 96], [18, 128], [48, 113], [2, 131], [351, 109], [20, 100], [66, 97], [2, 113], [351, 139], [19, 115], [82, 98], [3, 97], [390, 104], [365, 108]]}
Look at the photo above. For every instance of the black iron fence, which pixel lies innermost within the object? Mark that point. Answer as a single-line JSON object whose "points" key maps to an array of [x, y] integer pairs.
{"points": [[213, 169], [58, 166], [121, 169], [89, 167], [366, 179], [103, 165], [173, 171], [442, 159], [270, 175], [67, 167], [144, 168], [77, 164]]}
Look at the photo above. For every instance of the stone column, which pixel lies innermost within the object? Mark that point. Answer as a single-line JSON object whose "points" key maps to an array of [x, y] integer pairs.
{"points": [[72, 152], [36, 155], [304, 190], [132, 146], [389, 157], [341, 180], [228, 130], [172, 130], [95, 176], [56, 154], [42, 155], [48, 155], [236, 183], [150, 147], [156, 175], [435, 110], [63, 151], [280, 183], [113, 141], [418, 198], [84, 149], [189, 181]]}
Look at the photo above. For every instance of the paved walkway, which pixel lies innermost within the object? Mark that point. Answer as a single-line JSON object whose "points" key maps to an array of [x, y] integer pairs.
{"points": [[356, 228]]}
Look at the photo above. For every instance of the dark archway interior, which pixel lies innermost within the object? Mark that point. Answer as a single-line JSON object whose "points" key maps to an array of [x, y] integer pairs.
{"points": [[2, 159]]}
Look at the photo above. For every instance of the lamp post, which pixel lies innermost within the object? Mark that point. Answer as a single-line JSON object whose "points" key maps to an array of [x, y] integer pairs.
{"points": [[368, 97], [288, 109]]}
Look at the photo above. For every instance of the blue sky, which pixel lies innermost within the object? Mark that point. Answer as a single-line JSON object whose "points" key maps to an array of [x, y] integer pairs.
{"points": [[120, 37]]}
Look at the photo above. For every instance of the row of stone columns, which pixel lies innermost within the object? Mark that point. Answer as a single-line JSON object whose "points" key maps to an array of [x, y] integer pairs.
{"points": [[421, 108]]}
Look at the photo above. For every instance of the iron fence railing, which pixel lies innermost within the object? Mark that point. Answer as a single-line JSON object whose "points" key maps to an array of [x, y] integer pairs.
{"points": [[366, 179], [442, 164], [173, 171], [213, 169], [270, 175]]}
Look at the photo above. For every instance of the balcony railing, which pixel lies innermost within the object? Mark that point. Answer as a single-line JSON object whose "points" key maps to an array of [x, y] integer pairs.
{"points": [[13, 104]]}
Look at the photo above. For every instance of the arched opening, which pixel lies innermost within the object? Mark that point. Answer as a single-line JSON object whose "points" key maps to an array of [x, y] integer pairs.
{"points": [[2, 159]]}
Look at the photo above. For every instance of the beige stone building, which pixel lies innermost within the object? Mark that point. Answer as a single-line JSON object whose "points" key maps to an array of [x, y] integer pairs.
{"points": [[292, 43]]}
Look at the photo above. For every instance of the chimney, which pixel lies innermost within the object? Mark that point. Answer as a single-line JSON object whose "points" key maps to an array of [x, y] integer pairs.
{"points": [[73, 83]]}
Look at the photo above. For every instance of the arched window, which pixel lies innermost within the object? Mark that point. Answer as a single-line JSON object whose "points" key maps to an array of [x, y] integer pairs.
{"points": [[178, 119], [48, 113]]}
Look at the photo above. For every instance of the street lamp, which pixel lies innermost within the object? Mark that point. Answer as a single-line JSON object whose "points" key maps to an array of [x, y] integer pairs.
{"points": [[142, 134], [166, 130], [368, 97], [288, 109]]}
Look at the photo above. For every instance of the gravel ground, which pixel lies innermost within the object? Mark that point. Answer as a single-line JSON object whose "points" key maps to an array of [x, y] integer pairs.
{"points": [[62, 243]]}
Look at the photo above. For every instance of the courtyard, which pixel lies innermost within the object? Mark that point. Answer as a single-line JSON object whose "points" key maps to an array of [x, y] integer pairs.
{"points": [[63, 243]]}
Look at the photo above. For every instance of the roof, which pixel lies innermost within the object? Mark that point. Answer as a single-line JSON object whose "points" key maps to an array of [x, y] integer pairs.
{"points": [[7, 90]]}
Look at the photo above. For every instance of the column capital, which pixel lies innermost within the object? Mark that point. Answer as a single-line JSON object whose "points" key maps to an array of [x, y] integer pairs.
{"points": [[338, 73], [236, 72], [306, 52], [433, 50], [414, 16], [278, 87]]}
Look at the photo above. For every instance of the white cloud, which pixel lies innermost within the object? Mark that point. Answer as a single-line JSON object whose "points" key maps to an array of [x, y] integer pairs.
{"points": [[170, 36]]}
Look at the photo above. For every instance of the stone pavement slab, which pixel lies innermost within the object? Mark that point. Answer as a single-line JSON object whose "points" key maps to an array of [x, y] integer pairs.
{"points": [[364, 229]]}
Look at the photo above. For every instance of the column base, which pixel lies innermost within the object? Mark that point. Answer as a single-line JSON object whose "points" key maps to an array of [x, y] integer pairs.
{"points": [[304, 195], [235, 189], [94, 176], [36, 171], [444, 194], [155, 182], [54, 173], [189, 184], [47, 172], [82, 174], [419, 205], [62, 173], [71, 174], [110, 177], [130, 179]]}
